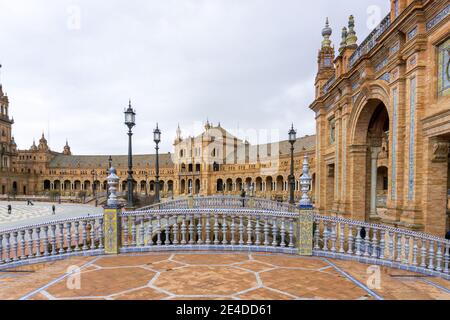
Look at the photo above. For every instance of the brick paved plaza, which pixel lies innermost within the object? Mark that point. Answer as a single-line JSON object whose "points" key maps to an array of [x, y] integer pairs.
{"points": [[214, 276]]}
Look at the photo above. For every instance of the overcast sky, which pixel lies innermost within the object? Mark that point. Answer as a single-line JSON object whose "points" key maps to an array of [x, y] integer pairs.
{"points": [[69, 67]]}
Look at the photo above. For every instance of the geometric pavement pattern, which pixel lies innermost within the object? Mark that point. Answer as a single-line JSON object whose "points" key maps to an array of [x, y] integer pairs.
{"points": [[221, 276]]}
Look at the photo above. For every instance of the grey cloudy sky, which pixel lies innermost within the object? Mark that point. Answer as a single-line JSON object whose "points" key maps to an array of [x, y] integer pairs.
{"points": [[69, 67]]}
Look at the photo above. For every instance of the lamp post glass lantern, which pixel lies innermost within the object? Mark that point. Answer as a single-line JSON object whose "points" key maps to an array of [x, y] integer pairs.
{"points": [[292, 139], [157, 140], [130, 122]]}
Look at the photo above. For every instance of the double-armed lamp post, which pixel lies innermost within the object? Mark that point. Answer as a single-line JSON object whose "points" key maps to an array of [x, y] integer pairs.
{"points": [[130, 122], [157, 140], [292, 140]]}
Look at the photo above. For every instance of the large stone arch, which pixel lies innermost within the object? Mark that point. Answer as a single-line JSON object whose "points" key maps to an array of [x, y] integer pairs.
{"points": [[371, 106]]}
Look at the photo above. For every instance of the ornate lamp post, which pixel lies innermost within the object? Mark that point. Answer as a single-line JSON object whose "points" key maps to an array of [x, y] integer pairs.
{"points": [[157, 139], [130, 122], [94, 193], [292, 140], [108, 172], [146, 182]]}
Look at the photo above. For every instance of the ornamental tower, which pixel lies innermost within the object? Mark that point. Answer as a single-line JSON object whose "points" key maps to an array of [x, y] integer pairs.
{"points": [[325, 60]]}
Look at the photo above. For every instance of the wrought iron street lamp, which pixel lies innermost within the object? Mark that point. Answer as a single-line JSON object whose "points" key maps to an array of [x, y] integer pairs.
{"points": [[292, 140], [146, 182], [108, 173], [130, 122], [157, 140], [94, 186]]}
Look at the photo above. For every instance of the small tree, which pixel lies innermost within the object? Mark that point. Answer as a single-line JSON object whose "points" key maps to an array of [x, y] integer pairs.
{"points": [[82, 196]]}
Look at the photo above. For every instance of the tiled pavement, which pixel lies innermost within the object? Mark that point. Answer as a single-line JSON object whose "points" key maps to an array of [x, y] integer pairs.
{"points": [[214, 276]]}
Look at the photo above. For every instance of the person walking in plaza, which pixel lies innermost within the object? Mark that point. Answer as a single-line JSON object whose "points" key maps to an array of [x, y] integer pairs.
{"points": [[9, 209], [53, 209]]}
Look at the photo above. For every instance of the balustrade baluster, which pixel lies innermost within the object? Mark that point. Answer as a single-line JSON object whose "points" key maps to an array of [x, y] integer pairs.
{"points": [[200, 229], [325, 236], [367, 243], [415, 252], [53, 239], [158, 231], [406, 256], [150, 231], [241, 230], [439, 257], [101, 235], [46, 243], [423, 253], [30, 243], [1, 249], [316, 235], [399, 247], [283, 233], [125, 231], [341, 237], [183, 230], [233, 231], [374, 243], [333, 236], [350, 239], [208, 229], [69, 236], [257, 232], [84, 235], [391, 246], [224, 230], [92, 235], [15, 246], [61, 238], [133, 231], [22, 245], [249, 230], [358, 241], [77, 236], [167, 238], [382, 243], [274, 232], [175, 231], [266, 231], [38, 243], [446, 256], [216, 229], [141, 232], [431, 255], [192, 229], [7, 248], [291, 233]]}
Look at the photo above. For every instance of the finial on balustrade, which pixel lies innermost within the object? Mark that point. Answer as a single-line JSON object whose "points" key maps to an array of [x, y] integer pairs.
{"points": [[113, 182], [305, 184]]}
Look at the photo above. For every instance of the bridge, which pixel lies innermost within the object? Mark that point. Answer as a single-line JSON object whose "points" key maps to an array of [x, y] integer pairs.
{"points": [[225, 224]]}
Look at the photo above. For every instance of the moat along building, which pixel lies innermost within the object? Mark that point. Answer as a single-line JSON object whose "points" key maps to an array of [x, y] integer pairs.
{"points": [[380, 154]]}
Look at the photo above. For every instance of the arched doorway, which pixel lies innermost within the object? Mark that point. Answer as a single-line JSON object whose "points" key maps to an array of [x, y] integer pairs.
{"points": [[197, 186], [369, 150], [219, 187], [183, 186]]}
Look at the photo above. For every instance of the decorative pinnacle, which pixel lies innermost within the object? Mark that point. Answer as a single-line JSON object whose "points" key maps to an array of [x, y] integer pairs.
{"points": [[326, 33], [344, 39], [351, 36]]}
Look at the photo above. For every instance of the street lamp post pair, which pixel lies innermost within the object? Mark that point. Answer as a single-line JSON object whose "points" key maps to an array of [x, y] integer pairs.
{"points": [[130, 122], [292, 140]]}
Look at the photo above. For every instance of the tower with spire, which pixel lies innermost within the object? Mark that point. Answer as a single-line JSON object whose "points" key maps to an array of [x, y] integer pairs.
{"points": [[67, 151], [325, 59], [7, 144]]}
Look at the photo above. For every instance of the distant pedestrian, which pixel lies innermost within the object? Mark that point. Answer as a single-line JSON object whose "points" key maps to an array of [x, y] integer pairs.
{"points": [[9, 209], [53, 209]]}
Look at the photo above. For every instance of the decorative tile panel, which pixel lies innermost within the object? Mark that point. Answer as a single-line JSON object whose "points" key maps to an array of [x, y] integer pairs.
{"points": [[412, 129], [394, 145], [444, 69], [438, 18]]}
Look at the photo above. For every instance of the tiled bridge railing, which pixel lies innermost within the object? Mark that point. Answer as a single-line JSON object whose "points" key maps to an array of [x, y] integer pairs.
{"points": [[232, 228]]}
